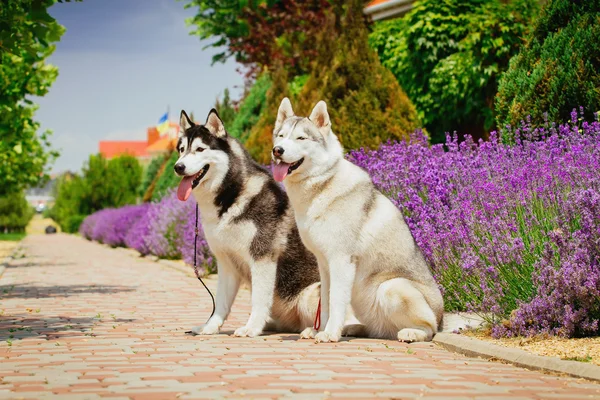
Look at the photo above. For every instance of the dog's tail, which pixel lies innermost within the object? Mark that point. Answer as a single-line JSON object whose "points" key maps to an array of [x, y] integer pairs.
{"points": [[308, 303]]}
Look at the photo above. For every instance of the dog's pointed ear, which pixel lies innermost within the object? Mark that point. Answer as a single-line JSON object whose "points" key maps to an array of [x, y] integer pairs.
{"points": [[214, 124], [320, 117], [285, 111], [185, 123]]}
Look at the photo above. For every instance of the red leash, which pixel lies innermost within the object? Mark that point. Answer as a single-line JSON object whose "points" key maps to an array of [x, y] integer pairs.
{"points": [[317, 324]]}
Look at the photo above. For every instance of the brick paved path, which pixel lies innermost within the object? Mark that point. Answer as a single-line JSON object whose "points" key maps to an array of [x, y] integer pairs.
{"points": [[80, 320]]}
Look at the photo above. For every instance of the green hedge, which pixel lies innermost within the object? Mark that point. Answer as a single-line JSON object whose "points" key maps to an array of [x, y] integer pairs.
{"points": [[448, 56], [558, 69], [15, 213]]}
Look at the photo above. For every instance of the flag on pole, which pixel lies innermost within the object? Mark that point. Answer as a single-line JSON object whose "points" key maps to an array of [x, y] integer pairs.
{"points": [[163, 123]]}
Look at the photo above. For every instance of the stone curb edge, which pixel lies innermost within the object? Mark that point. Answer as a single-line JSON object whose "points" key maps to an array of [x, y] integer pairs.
{"points": [[472, 347], [187, 270]]}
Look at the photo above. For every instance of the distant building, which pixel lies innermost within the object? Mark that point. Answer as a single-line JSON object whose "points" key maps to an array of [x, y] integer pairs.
{"points": [[42, 196], [144, 150], [384, 9]]}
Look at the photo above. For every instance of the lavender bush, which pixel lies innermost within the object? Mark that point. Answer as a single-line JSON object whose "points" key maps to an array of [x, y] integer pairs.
{"points": [[87, 226], [165, 229], [135, 237], [511, 231]]}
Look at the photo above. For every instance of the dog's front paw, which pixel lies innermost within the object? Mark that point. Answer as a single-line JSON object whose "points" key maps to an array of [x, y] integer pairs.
{"points": [[206, 329], [410, 335], [246, 331], [308, 333], [326, 337]]}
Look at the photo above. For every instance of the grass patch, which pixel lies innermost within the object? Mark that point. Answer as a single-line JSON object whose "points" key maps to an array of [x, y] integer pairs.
{"points": [[12, 237], [586, 359]]}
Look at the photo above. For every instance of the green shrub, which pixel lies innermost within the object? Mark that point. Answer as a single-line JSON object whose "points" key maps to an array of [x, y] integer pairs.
{"points": [[448, 56], [72, 222], [558, 69], [15, 213], [125, 175], [167, 179], [103, 183], [250, 109], [68, 199], [150, 173]]}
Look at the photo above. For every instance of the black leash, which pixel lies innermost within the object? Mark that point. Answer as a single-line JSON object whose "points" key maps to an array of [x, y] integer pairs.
{"points": [[196, 268]]}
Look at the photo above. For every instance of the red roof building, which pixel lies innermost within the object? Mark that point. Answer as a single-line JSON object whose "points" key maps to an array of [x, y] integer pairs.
{"points": [[110, 149], [143, 150]]}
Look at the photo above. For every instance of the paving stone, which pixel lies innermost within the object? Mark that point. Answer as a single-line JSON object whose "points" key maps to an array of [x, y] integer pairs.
{"points": [[91, 322]]}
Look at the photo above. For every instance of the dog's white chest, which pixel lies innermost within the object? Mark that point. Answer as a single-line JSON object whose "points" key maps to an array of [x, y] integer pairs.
{"points": [[226, 238]]}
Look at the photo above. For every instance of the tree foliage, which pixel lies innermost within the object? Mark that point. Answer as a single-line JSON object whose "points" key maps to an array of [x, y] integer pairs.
{"points": [[365, 102], [251, 108], [558, 69], [367, 105], [225, 108], [27, 34], [261, 32], [449, 55], [259, 142]]}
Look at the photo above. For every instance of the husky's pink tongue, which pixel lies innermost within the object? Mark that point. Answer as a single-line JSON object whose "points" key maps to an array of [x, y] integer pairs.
{"points": [[185, 188], [280, 171]]}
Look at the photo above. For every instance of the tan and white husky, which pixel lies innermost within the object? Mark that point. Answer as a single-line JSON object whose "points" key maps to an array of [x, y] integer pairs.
{"points": [[366, 253]]}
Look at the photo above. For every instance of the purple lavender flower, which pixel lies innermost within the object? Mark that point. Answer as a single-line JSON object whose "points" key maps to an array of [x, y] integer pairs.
{"points": [[484, 215]]}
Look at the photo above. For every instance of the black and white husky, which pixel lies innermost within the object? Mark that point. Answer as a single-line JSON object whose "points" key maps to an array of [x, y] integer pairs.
{"points": [[366, 253], [250, 228]]}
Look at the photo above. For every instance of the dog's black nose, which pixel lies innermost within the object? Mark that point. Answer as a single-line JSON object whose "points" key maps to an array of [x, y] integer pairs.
{"points": [[180, 168], [278, 151]]}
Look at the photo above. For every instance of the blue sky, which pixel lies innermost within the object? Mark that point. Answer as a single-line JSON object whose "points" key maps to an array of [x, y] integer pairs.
{"points": [[121, 63]]}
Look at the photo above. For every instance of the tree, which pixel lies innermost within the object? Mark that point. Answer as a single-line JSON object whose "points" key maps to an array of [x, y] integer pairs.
{"points": [[251, 108], [449, 55], [366, 104], [226, 109], [262, 32], [260, 138], [27, 34], [557, 70]]}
